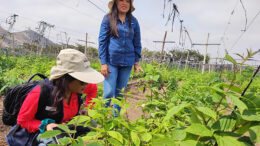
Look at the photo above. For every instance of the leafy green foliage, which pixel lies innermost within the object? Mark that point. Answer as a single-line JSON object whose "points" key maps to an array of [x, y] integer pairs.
{"points": [[183, 108]]}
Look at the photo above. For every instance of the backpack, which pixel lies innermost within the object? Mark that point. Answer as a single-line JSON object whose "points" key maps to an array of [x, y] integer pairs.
{"points": [[15, 97]]}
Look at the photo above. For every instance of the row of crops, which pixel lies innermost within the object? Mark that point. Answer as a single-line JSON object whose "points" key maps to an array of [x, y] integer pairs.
{"points": [[182, 108]]}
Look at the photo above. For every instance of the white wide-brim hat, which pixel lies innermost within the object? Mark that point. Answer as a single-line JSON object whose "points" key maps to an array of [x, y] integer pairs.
{"points": [[75, 63], [111, 3]]}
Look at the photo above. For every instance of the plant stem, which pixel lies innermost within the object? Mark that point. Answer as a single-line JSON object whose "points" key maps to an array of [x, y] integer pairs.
{"points": [[198, 138], [240, 126]]}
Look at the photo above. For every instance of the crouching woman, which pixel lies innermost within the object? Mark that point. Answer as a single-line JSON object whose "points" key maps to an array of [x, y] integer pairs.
{"points": [[47, 105]]}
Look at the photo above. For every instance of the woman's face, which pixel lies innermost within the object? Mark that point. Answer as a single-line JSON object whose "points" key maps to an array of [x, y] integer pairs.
{"points": [[123, 6], [77, 86]]}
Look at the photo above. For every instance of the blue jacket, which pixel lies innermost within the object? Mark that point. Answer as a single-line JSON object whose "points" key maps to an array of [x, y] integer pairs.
{"points": [[124, 50]]}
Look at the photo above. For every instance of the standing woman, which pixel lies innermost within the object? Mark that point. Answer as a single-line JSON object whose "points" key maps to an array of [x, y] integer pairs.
{"points": [[119, 48]]}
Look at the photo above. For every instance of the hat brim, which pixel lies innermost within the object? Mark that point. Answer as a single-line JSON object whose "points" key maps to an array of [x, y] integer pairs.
{"points": [[111, 3], [89, 75]]}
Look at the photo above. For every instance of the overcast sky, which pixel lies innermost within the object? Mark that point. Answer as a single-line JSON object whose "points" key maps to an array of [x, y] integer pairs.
{"points": [[200, 17]]}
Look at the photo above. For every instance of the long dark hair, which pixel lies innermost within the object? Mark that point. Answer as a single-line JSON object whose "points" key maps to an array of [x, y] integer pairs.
{"points": [[60, 86], [113, 15]]}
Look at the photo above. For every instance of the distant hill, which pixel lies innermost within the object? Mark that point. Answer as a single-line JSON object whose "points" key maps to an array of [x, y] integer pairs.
{"points": [[28, 36]]}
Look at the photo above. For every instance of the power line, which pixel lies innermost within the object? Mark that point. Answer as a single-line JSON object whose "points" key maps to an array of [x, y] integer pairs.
{"points": [[96, 6], [222, 41], [241, 35], [229, 22], [76, 10]]}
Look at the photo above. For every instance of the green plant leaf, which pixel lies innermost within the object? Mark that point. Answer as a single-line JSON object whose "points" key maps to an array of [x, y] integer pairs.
{"points": [[73, 131], [109, 126], [64, 140], [243, 129], [255, 134], [124, 108], [94, 144], [225, 123], [117, 101], [207, 111], [178, 134], [116, 135], [199, 129], [237, 102], [92, 113], [79, 119], [135, 138], [230, 59], [49, 134], [175, 110], [155, 78], [190, 143], [80, 141], [114, 141], [53, 144], [233, 88], [245, 140], [126, 125], [217, 90], [146, 137], [3, 88], [140, 129], [240, 56], [63, 127], [250, 115], [195, 117], [91, 136], [163, 142], [227, 141]]}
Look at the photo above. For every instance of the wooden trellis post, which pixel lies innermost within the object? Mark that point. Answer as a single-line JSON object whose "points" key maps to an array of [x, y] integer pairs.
{"points": [[205, 54]]}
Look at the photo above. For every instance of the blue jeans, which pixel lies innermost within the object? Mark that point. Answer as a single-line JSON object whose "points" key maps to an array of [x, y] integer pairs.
{"points": [[117, 80], [46, 142]]}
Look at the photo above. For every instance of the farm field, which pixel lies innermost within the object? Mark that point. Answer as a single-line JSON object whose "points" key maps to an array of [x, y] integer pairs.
{"points": [[197, 80], [162, 106]]}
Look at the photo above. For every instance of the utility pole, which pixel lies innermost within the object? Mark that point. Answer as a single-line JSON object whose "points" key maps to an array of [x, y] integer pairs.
{"points": [[180, 37], [10, 21], [67, 39], [205, 54], [86, 44], [186, 63], [163, 43], [41, 30]]}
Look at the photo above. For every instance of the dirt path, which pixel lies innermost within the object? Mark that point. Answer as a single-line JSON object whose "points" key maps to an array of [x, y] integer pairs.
{"points": [[136, 96]]}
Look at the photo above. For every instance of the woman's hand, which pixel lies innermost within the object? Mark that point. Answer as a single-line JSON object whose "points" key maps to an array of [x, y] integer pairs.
{"points": [[51, 126], [137, 68], [105, 70]]}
